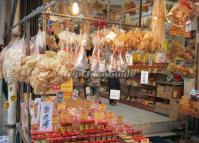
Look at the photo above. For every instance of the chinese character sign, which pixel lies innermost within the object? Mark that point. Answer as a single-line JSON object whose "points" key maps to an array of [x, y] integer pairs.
{"points": [[46, 116]]}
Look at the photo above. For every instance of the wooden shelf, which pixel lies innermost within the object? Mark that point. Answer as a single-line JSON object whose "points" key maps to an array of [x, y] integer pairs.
{"points": [[145, 66], [135, 104], [146, 94], [171, 83], [143, 86], [138, 105]]}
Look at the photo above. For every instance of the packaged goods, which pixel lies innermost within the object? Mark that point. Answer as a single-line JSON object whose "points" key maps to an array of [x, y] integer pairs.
{"points": [[80, 63], [12, 59], [181, 12], [83, 121], [158, 21], [43, 71], [179, 51]]}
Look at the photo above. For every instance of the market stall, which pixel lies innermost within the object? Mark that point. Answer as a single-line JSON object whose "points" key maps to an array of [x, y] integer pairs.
{"points": [[65, 69]]}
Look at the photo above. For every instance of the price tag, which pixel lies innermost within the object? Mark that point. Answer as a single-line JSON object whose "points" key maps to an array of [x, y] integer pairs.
{"points": [[67, 86], [6, 105], [129, 59], [115, 94], [67, 95], [3, 139], [111, 36], [46, 116], [75, 94], [165, 46], [102, 107], [13, 98], [144, 77], [188, 26], [61, 106], [88, 90]]}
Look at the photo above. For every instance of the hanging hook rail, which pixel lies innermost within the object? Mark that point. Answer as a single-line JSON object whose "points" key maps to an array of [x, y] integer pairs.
{"points": [[90, 19]]}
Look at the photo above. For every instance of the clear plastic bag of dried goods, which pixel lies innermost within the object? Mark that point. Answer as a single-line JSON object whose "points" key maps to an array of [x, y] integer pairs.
{"points": [[80, 53], [39, 43], [101, 61], [112, 64], [158, 21], [122, 59], [181, 12], [94, 60], [2, 56], [62, 39], [12, 60]]}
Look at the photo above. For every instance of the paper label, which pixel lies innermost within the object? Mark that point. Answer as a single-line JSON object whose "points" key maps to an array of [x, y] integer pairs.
{"points": [[61, 106], [13, 98], [165, 46], [7, 105], [67, 86], [178, 31], [111, 36], [144, 77], [3, 139], [129, 59], [46, 117], [36, 110], [102, 107], [115, 94], [188, 27], [88, 90], [75, 94], [67, 95]]}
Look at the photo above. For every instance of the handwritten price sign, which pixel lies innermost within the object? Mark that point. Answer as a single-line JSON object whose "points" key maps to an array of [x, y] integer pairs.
{"points": [[46, 117]]}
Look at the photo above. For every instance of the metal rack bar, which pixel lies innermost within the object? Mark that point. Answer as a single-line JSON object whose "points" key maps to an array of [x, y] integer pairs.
{"points": [[90, 19]]}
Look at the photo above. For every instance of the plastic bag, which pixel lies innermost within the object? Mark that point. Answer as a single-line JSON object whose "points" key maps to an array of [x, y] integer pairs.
{"points": [[158, 22], [81, 55], [181, 12], [2, 56], [39, 43], [94, 60], [122, 59], [112, 65], [117, 61], [12, 60], [62, 39]]}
